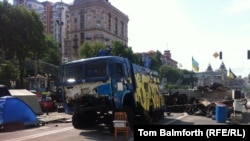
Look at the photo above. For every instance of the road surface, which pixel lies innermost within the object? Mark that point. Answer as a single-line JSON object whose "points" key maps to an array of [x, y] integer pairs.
{"points": [[66, 132]]}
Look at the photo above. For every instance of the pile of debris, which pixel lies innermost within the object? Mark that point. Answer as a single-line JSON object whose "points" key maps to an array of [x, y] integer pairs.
{"points": [[199, 105], [213, 87], [204, 107]]}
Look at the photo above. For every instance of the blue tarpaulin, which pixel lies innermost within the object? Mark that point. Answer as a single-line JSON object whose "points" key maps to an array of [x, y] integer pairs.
{"points": [[13, 109]]}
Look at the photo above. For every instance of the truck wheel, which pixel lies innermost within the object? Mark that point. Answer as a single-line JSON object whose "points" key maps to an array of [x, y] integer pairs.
{"points": [[145, 118], [77, 122], [161, 114], [89, 118], [156, 114], [85, 120]]}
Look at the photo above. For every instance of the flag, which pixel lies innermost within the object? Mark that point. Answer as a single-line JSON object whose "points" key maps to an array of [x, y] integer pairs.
{"points": [[231, 74], [195, 65]]}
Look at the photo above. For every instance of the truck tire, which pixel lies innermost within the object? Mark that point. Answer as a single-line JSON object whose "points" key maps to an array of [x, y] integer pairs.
{"points": [[83, 121], [77, 122], [161, 114], [144, 118], [153, 114]]}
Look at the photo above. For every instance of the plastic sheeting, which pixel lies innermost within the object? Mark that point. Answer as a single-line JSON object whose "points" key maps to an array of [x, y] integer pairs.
{"points": [[29, 98]]}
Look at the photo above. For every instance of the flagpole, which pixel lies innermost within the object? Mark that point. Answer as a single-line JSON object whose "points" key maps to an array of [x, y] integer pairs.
{"points": [[192, 79], [192, 74]]}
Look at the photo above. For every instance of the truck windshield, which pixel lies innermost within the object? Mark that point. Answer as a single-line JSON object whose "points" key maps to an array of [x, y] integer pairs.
{"points": [[85, 71]]}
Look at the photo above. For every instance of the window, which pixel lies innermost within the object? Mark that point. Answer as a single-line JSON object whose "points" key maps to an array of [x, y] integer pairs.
{"points": [[119, 73], [74, 72], [89, 18], [95, 69], [86, 70], [98, 10]]}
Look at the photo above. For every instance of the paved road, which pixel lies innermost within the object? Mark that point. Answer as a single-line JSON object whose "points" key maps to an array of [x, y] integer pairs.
{"points": [[62, 131], [185, 119]]}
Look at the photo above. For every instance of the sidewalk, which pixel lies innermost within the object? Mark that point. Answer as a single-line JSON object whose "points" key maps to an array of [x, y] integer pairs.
{"points": [[54, 117]]}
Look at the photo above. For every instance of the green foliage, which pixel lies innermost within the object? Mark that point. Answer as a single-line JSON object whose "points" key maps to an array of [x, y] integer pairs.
{"points": [[170, 86], [87, 50], [171, 73], [23, 35], [119, 49], [175, 77], [156, 61], [247, 90], [51, 52], [8, 71]]}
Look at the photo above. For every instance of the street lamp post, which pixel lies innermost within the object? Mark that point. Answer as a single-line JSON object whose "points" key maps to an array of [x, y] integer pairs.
{"points": [[60, 25]]}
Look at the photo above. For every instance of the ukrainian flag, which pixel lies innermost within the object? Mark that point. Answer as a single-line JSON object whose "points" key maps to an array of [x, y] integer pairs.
{"points": [[232, 75], [195, 65]]}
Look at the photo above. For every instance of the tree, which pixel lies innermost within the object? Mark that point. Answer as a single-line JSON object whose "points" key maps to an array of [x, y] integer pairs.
{"points": [[5, 37], [49, 59], [51, 52], [87, 50], [46, 61], [156, 61], [23, 35], [187, 77], [8, 72], [176, 77], [171, 73], [119, 49]]}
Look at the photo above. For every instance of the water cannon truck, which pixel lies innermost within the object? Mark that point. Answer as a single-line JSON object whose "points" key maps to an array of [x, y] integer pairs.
{"points": [[94, 88]]}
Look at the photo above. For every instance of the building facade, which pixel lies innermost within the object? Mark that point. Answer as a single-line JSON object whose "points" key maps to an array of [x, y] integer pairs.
{"points": [[208, 77], [95, 21], [43, 9], [60, 27], [80, 22], [167, 60]]}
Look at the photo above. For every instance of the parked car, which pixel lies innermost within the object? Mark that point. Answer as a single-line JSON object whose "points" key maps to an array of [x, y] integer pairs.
{"points": [[4, 91], [45, 101]]}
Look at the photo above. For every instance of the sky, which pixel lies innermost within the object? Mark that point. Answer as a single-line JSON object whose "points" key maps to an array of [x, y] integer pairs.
{"points": [[190, 28]]}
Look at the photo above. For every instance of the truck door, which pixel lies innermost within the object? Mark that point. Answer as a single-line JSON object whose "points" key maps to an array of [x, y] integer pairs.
{"points": [[118, 79]]}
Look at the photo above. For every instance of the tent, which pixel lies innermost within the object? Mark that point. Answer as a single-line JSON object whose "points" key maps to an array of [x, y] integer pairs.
{"points": [[29, 98], [13, 109]]}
